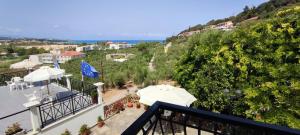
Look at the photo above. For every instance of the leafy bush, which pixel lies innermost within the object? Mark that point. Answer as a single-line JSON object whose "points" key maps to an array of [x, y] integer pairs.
{"points": [[252, 71], [99, 119], [119, 81], [11, 130], [84, 130]]}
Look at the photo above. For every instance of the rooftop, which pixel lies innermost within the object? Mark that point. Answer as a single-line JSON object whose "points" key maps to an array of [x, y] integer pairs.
{"points": [[71, 53], [12, 102]]}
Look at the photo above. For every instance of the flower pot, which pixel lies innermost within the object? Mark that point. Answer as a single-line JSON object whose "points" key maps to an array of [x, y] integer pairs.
{"points": [[138, 106], [100, 124], [129, 104], [85, 133]]}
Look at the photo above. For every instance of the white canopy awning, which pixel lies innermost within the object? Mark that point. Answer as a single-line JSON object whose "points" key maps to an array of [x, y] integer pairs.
{"points": [[165, 93], [24, 64], [44, 73]]}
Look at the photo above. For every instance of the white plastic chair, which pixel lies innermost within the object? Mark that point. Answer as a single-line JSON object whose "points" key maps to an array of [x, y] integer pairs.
{"points": [[17, 82], [11, 85]]}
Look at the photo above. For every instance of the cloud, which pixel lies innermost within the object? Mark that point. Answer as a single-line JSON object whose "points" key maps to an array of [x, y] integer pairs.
{"points": [[9, 30]]}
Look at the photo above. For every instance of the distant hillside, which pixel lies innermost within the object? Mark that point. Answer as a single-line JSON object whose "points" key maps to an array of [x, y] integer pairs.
{"points": [[6, 38], [264, 10]]}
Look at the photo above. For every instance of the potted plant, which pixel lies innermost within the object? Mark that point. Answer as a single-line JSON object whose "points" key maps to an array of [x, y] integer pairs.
{"points": [[116, 108], [100, 122], [129, 104], [67, 132], [94, 96], [138, 105], [84, 130], [15, 129], [121, 106]]}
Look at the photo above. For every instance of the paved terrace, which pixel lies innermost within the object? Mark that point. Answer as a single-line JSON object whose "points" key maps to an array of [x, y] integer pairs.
{"points": [[119, 122], [12, 102]]}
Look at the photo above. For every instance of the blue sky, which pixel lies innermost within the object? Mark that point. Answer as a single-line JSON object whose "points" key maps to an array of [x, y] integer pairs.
{"points": [[110, 19]]}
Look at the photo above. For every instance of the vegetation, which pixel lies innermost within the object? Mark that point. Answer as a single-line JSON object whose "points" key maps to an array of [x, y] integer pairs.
{"points": [[67, 132], [264, 10], [6, 61], [116, 74], [99, 119], [11, 130], [251, 72], [22, 51], [84, 130]]}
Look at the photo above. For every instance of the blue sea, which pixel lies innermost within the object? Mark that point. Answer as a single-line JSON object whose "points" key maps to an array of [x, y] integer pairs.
{"points": [[126, 41]]}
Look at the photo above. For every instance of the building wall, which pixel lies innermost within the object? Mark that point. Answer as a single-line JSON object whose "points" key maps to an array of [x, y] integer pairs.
{"points": [[34, 58], [74, 122]]}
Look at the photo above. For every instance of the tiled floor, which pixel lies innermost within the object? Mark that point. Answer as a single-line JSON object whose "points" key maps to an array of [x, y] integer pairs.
{"points": [[119, 122], [12, 102]]}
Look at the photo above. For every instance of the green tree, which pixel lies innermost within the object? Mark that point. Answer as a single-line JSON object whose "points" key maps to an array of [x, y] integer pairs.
{"points": [[253, 71]]}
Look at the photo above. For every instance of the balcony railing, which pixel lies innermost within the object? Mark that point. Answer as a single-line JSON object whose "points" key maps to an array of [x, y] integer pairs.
{"points": [[81, 98], [60, 108], [165, 118]]}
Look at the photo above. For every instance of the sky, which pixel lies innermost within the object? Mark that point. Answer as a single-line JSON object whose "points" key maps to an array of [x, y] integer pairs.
{"points": [[111, 19]]}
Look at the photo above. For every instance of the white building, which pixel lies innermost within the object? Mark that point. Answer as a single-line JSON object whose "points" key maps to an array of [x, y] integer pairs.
{"points": [[118, 45], [48, 58], [86, 48], [225, 25], [56, 51]]}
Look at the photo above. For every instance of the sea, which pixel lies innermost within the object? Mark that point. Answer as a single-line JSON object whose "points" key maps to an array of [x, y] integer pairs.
{"points": [[133, 42]]}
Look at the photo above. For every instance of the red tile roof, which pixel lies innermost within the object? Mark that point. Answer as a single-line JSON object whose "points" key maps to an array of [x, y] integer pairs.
{"points": [[71, 53]]}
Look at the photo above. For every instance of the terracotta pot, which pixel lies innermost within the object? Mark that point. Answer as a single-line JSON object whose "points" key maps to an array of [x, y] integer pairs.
{"points": [[129, 104], [138, 106], [85, 133], [100, 124]]}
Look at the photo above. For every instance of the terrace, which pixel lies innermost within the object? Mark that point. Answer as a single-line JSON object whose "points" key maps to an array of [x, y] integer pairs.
{"points": [[69, 97], [12, 102], [119, 122]]}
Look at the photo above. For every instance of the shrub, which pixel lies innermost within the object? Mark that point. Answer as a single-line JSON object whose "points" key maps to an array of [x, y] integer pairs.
{"points": [[84, 130], [261, 61], [119, 81], [99, 119], [67, 132], [15, 128], [119, 106]]}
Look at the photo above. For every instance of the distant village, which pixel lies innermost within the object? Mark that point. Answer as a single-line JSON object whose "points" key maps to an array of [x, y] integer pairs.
{"points": [[226, 26]]}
